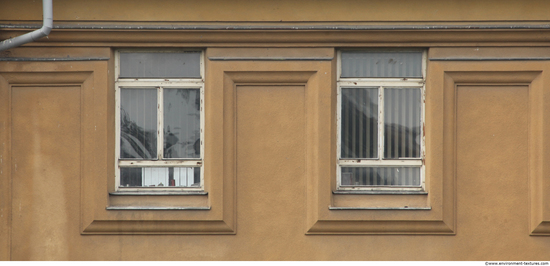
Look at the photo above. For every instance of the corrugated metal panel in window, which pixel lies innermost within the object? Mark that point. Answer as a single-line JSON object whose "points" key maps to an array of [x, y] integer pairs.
{"points": [[160, 65], [381, 176], [369, 64]]}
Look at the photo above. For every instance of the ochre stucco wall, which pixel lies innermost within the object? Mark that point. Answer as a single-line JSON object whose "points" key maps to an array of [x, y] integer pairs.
{"points": [[270, 137], [285, 10]]}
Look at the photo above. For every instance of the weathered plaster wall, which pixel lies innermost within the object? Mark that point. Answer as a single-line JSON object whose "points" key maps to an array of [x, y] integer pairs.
{"points": [[270, 135]]}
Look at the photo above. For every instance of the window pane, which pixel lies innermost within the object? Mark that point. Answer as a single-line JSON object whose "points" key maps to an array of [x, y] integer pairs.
{"points": [[402, 123], [160, 65], [365, 64], [138, 123], [381, 176], [182, 123], [160, 177], [359, 116]]}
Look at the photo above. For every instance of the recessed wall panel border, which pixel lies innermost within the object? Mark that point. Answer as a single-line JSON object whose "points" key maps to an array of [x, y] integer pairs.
{"points": [[531, 74]]}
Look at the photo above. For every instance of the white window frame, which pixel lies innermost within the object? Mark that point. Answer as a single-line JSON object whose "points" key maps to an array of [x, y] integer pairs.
{"points": [[380, 83], [159, 84]]}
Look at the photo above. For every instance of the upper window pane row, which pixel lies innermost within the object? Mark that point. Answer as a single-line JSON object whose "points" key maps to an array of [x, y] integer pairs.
{"points": [[367, 64], [160, 65]]}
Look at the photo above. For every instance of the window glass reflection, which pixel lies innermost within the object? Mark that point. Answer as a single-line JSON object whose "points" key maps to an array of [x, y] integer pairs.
{"points": [[182, 123], [138, 123]]}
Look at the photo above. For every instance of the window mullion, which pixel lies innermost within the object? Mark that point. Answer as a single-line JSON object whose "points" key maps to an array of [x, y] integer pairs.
{"points": [[338, 130], [160, 121], [118, 129], [381, 123]]}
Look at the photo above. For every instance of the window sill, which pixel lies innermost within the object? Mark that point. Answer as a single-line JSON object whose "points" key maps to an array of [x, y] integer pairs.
{"points": [[158, 193], [146, 208], [379, 192], [379, 208]]}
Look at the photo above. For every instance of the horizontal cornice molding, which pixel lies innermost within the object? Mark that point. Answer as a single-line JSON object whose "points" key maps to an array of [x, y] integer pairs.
{"points": [[48, 59], [275, 35], [284, 27]]}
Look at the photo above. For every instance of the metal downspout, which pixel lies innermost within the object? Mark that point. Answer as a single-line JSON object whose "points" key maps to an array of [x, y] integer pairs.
{"points": [[35, 35]]}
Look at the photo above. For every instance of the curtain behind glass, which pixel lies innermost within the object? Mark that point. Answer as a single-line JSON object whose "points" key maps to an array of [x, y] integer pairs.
{"points": [[160, 176], [402, 122], [359, 125]]}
